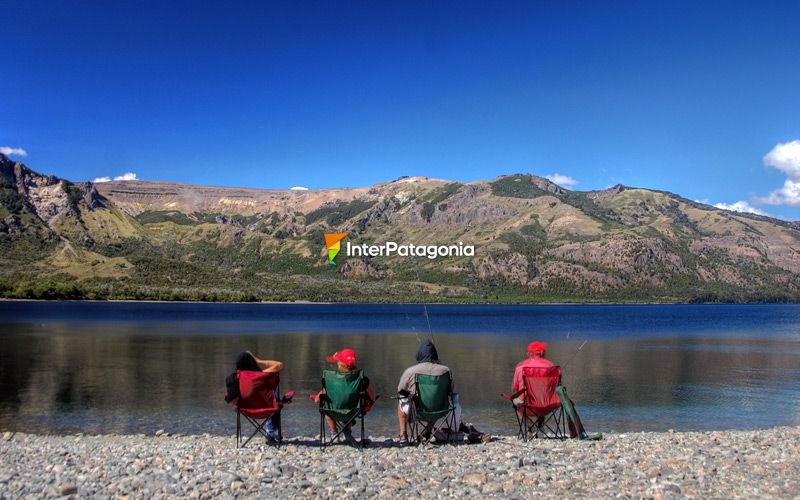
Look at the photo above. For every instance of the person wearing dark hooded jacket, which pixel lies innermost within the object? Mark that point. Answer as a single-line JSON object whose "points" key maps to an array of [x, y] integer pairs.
{"points": [[427, 364]]}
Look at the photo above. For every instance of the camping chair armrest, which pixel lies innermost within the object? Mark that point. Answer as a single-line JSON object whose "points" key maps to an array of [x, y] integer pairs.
{"points": [[511, 397], [317, 398], [365, 398], [287, 397], [402, 394]]}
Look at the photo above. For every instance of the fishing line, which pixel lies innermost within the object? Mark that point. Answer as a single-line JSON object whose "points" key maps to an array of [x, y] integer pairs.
{"points": [[414, 329], [424, 304], [416, 334], [427, 319], [575, 354]]}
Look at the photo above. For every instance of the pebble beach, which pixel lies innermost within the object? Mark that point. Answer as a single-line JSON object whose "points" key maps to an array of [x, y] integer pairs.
{"points": [[763, 463]]}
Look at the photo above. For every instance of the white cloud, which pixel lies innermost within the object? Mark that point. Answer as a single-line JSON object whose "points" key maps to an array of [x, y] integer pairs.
{"points": [[9, 151], [786, 158], [299, 188], [127, 176], [561, 180], [741, 206]]}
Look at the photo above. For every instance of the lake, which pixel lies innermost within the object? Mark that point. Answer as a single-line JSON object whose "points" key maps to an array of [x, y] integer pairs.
{"points": [[99, 367]]}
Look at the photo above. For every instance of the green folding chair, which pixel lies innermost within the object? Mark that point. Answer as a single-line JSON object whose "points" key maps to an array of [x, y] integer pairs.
{"points": [[433, 403], [343, 401]]}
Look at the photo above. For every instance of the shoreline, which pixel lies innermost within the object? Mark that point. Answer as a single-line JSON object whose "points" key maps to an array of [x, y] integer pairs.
{"points": [[641, 464], [307, 302]]}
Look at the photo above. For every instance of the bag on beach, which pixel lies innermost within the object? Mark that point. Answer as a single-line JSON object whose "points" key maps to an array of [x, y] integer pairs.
{"points": [[447, 435], [232, 388]]}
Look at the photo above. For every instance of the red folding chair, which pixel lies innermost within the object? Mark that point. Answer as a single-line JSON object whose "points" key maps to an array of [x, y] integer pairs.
{"points": [[258, 402], [540, 413]]}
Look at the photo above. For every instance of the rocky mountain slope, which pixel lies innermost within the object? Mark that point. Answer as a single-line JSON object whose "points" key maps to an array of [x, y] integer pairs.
{"points": [[534, 242]]}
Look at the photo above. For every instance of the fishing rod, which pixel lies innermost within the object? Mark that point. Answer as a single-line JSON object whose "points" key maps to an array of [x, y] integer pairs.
{"points": [[574, 355]]}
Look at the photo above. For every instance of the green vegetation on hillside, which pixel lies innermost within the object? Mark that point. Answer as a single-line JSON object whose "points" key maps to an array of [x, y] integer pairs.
{"points": [[436, 197], [534, 229], [585, 204], [517, 186], [337, 213], [161, 216], [11, 201]]}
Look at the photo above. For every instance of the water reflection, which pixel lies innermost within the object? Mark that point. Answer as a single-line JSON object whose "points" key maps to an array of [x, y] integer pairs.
{"points": [[129, 378]]}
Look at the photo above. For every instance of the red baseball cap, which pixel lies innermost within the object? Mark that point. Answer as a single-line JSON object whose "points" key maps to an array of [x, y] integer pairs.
{"points": [[537, 347], [345, 356]]}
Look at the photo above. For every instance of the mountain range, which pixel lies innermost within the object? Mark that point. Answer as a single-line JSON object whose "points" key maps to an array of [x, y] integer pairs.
{"points": [[534, 242]]}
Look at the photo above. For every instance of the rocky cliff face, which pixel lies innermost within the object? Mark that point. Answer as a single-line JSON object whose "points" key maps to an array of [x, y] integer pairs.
{"points": [[534, 241], [46, 196]]}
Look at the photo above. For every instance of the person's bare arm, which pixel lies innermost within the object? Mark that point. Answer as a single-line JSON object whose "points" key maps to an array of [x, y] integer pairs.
{"points": [[270, 365], [274, 366], [320, 393]]}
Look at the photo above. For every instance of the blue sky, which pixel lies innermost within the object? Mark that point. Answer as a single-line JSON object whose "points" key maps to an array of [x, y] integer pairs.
{"points": [[682, 96]]}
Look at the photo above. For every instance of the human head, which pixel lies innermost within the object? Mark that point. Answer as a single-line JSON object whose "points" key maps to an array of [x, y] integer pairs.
{"points": [[537, 349], [345, 359], [245, 361], [427, 353]]}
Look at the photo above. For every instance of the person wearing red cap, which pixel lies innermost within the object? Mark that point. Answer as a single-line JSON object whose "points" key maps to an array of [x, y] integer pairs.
{"points": [[536, 359], [345, 360]]}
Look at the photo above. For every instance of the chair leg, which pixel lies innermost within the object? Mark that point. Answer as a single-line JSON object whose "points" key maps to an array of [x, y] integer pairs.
{"points": [[551, 426], [450, 419], [532, 428], [526, 427], [341, 427], [238, 429], [361, 444], [280, 429], [321, 431], [411, 425], [335, 435], [259, 428], [520, 423]]}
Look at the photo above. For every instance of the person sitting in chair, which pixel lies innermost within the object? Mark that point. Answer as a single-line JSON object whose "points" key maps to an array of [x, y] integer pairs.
{"points": [[247, 361], [535, 359], [346, 362], [427, 364]]}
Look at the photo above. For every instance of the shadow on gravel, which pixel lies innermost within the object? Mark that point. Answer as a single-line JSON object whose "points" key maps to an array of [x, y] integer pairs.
{"points": [[374, 443]]}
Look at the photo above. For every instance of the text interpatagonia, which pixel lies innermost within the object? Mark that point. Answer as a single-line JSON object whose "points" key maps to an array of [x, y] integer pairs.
{"points": [[410, 250]]}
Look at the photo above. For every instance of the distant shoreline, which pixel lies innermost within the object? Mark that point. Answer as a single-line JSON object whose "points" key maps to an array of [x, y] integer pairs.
{"points": [[308, 302]]}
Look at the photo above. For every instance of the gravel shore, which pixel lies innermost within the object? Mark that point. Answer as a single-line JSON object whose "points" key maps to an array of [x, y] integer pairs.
{"points": [[661, 465]]}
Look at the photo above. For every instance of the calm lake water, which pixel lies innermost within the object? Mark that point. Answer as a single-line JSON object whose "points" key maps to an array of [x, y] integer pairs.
{"points": [[137, 367]]}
